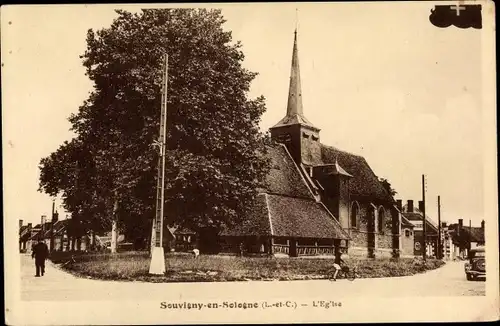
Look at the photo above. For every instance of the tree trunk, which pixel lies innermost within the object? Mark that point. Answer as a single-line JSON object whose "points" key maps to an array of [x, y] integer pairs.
{"points": [[114, 225]]}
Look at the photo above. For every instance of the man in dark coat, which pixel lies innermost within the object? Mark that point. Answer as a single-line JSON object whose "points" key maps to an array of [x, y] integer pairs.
{"points": [[40, 253]]}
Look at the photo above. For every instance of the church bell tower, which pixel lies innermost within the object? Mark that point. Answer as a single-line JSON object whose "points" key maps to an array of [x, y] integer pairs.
{"points": [[294, 130]]}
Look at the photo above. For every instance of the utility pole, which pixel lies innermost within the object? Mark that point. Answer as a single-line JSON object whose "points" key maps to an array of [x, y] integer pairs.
{"points": [[439, 249], [470, 233], [52, 226], [424, 218], [157, 255]]}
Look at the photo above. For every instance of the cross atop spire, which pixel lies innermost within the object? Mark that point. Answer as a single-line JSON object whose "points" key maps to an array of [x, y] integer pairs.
{"points": [[294, 110]]}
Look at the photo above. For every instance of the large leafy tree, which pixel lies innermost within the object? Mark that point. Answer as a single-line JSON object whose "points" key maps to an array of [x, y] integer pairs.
{"points": [[214, 166], [387, 186]]}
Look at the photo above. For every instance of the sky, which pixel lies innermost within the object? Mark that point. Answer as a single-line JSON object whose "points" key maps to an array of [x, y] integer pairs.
{"points": [[378, 79]]}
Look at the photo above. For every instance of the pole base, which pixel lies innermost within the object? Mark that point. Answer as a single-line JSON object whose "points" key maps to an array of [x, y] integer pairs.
{"points": [[157, 266]]}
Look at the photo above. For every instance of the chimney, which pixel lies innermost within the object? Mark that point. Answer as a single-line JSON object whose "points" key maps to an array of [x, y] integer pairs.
{"points": [[399, 204], [482, 224], [20, 223], [444, 224], [421, 206], [30, 225], [410, 206]]}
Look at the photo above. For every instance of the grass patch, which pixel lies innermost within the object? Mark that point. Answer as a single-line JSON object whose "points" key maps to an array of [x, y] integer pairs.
{"points": [[134, 266]]}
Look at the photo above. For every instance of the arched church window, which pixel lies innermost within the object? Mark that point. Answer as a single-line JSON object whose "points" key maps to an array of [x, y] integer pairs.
{"points": [[381, 219], [354, 214]]}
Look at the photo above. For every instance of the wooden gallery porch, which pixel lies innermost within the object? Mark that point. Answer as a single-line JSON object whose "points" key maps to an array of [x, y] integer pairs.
{"points": [[280, 246], [282, 225]]}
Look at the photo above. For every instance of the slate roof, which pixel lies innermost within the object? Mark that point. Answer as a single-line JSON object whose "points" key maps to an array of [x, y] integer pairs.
{"points": [[293, 217], [24, 233], [255, 223], [287, 207], [417, 216], [406, 222], [476, 233], [294, 119], [23, 229], [60, 227], [283, 216], [364, 182], [284, 177], [37, 229]]}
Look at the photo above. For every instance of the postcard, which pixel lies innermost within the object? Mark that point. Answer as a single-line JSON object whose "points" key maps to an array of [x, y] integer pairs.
{"points": [[250, 163]]}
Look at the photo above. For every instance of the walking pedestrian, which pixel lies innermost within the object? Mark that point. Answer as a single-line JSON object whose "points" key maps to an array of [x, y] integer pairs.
{"points": [[40, 253]]}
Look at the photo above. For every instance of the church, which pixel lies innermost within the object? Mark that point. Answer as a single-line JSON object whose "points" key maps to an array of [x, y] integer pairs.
{"points": [[318, 197]]}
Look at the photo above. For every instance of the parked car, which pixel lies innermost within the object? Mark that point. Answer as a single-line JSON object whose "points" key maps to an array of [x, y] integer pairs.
{"points": [[476, 265]]}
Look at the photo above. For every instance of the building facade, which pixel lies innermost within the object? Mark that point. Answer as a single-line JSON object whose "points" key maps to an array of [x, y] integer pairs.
{"points": [[342, 202], [415, 217]]}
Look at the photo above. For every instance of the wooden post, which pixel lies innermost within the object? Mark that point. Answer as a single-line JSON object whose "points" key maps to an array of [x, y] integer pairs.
{"points": [[114, 224], [52, 227], [439, 249], [424, 255]]}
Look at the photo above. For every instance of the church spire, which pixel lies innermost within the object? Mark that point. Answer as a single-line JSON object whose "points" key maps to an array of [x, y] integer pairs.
{"points": [[294, 110], [295, 90]]}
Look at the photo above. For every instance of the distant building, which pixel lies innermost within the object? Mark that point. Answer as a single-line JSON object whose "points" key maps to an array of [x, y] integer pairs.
{"points": [[464, 238], [59, 231], [407, 235], [415, 217], [25, 232]]}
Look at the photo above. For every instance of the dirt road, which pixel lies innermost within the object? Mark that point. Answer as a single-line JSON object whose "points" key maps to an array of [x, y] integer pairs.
{"points": [[57, 285]]}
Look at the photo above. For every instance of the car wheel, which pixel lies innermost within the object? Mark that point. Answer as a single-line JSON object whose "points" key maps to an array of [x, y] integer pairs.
{"points": [[469, 277]]}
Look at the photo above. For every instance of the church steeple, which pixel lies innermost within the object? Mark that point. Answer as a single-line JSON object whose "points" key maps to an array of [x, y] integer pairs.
{"points": [[294, 130], [294, 110], [294, 106]]}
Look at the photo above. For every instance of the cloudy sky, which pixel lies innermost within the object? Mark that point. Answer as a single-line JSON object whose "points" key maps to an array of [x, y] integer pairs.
{"points": [[378, 79]]}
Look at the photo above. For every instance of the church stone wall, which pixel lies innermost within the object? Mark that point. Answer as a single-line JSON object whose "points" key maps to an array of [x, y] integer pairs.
{"points": [[359, 239], [384, 241], [362, 217]]}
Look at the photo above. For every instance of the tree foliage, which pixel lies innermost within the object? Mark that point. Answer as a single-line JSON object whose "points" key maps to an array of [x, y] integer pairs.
{"points": [[387, 186], [214, 166]]}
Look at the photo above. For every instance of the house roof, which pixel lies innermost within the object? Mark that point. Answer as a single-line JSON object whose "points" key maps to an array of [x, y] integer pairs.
{"points": [[302, 218], [284, 178], [25, 233], [364, 182], [36, 232], [417, 216], [406, 222], [476, 233], [60, 227], [284, 216], [23, 229]]}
